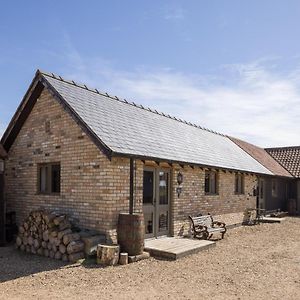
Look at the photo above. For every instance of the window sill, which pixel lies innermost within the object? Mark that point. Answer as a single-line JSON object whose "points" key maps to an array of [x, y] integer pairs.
{"points": [[239, 194], [211, 194], [48, 194]]}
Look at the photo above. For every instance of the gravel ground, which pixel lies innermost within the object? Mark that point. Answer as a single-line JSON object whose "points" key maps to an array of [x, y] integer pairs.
{"points": [[257, 262]]}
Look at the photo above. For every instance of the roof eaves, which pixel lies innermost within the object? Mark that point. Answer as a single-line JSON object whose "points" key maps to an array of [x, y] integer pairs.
{"points": [[159, 159]]}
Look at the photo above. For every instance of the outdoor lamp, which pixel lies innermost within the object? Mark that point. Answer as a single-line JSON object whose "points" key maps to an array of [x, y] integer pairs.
{"points": [[179, 178]]}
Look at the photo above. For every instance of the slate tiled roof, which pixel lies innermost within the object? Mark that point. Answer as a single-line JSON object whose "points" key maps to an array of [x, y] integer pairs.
{"points": [[128, 129], [2, 152], [262, 156], [288, 157]]}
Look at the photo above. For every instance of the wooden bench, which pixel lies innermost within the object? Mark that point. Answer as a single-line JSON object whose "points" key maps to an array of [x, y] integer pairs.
{"points": [[204, 227]]}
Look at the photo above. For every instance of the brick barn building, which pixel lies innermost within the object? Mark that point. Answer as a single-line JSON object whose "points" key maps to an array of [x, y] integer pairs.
{"points": [[82, 152]]}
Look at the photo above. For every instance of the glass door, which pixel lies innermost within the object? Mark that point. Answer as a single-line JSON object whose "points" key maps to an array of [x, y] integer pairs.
{"points": [[162, 209], [156, 199], [149, 201]]}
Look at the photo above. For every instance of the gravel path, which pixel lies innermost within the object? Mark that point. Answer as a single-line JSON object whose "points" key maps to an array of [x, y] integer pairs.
{"points": [[258, 262]]}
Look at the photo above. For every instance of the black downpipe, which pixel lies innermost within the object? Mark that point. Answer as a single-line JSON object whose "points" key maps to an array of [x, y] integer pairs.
{"points": [[131, 187]]}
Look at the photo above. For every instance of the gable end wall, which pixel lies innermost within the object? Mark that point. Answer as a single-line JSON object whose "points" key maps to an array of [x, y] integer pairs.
{"points": [[93, 188]]}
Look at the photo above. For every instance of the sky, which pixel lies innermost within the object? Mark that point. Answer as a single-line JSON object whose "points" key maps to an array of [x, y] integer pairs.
{"points": [[228, 65]]}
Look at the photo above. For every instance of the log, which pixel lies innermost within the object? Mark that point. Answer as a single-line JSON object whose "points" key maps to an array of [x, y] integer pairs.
{"points": [[40, 251], [65, 258], [46, 235], [75, 256], [56, 241], [22, 247], [61, 234], [64, 225], [36, 243], [48, 217], [62, 248], [44, 244], [91, 242], [46, 252], [57, 255], [21, 229], [26, 226], [51, 239], [19, 241], [54, 248], [51, 253], [25, 240], [123, 259], [53, 233], [75, 246], [49, 246], [30, 240], [59, 219], [108, 255], [28, 249], [70, 237]]}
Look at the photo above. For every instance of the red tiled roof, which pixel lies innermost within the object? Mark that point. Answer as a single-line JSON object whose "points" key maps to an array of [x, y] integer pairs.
{"points": [[262, 156], [2, 152], [288, 157]]}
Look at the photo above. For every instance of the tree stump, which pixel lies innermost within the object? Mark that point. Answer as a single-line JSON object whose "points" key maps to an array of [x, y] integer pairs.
{"points": [[123, 259], [108, 255]]}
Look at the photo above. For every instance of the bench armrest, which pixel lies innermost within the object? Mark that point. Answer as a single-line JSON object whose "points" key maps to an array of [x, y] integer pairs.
{"points": [[220, 224], [201, 228]]}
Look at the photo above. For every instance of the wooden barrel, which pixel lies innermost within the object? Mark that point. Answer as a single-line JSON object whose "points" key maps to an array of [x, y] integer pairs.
{"points": [[131, 233]]}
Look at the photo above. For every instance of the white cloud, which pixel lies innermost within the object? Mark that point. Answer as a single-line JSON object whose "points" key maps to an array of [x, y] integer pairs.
{"points": [[174, 13], [250, 101]]}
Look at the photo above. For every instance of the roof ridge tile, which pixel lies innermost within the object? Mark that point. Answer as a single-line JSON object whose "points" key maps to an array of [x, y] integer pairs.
{"points": [[83, 86]]}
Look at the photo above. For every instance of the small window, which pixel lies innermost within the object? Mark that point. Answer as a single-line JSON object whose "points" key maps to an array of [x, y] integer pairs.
{"points": [[274, 188], [239, 183], [49, 178], [211, 182]]}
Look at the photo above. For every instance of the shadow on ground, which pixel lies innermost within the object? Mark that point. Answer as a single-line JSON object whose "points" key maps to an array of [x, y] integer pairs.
{"points": [[15, 264]]}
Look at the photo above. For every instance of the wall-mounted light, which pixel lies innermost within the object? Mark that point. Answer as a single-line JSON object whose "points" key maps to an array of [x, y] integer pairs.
{"points": [[179, 178]]}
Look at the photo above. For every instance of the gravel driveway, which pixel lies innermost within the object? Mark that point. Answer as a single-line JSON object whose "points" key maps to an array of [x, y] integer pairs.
{"points": [[258, 262]]}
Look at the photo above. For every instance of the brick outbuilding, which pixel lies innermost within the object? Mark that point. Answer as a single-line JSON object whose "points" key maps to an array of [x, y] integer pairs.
{"points": [[71, 149]]}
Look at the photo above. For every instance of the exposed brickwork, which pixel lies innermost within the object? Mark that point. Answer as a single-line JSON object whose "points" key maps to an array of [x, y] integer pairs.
{"points": [[94, 189], [226, 205]]}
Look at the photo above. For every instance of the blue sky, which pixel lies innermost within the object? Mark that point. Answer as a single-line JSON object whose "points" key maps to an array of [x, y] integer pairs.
{"points": [[232, 66]]}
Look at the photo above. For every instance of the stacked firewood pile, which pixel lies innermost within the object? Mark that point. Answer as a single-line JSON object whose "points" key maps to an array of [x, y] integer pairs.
{"points": [[50, 235]]}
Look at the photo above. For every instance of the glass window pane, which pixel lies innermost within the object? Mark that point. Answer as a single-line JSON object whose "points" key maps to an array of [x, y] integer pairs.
{"points": [[148, 187], [148, 219], [206, 182], [163, 221], [55, 179], [43, 179], [163, 187]]}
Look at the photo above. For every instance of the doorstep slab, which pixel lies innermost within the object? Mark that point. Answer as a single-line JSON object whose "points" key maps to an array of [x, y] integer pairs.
{"points": [[174, 248]]}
